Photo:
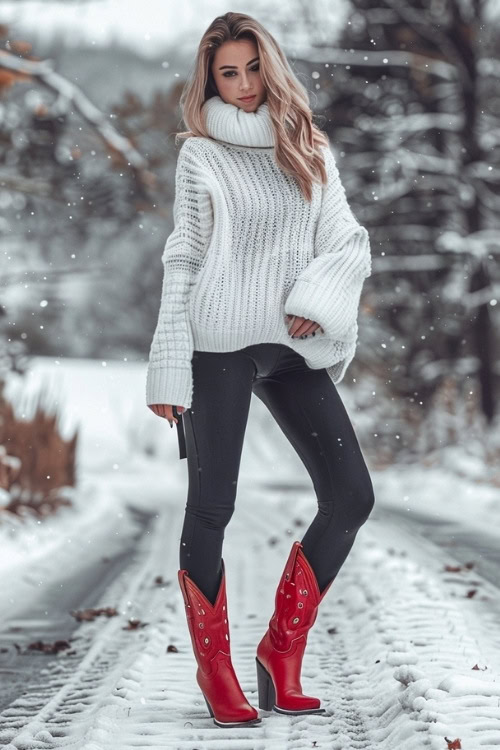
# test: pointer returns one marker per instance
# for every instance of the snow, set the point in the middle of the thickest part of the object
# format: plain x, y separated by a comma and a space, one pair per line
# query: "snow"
401, 655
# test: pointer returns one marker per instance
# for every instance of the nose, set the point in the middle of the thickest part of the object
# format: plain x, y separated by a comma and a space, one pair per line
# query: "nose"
244, 85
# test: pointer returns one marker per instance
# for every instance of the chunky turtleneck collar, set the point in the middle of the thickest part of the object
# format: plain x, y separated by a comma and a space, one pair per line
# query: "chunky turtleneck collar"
230, 124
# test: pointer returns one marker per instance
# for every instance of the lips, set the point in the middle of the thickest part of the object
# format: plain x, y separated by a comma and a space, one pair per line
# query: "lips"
247, 98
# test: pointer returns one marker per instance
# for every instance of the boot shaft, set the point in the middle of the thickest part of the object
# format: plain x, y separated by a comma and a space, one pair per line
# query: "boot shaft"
208, 624
209, 630
296, 602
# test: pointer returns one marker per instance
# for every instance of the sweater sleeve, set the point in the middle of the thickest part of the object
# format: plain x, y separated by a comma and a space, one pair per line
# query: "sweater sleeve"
169, 376
328, 289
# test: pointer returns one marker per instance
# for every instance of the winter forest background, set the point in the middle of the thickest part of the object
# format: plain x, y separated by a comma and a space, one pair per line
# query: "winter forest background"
409, 93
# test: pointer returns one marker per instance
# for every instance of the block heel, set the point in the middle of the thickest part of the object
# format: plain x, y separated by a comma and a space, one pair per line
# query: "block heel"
265, 686
209, 707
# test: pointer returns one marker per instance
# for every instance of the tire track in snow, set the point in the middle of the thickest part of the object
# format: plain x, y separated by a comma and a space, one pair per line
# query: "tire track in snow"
415, 646
483, 613
158, 703
325, 671
395, 672
75, 686
419, 634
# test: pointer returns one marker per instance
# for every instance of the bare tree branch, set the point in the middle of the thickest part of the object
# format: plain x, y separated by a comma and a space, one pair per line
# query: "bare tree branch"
29, 187
379, 58
44, 72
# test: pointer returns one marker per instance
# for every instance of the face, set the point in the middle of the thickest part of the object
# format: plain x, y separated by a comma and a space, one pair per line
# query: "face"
235, 69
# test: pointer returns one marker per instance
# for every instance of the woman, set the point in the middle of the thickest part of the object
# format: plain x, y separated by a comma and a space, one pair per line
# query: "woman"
263, 274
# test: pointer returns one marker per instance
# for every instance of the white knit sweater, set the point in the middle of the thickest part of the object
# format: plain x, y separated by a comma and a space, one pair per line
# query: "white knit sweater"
246, 250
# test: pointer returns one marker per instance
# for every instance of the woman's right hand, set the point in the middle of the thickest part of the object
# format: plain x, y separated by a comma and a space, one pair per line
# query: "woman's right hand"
165, 410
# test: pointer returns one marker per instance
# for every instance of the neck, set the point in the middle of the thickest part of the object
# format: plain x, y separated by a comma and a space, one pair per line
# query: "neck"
230, 124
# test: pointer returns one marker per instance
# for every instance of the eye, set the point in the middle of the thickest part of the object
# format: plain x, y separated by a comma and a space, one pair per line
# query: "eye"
229, 73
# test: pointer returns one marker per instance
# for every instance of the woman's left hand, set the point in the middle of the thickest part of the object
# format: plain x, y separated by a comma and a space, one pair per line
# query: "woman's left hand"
302, 326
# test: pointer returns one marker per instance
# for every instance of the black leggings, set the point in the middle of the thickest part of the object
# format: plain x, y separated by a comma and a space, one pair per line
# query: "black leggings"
307, 407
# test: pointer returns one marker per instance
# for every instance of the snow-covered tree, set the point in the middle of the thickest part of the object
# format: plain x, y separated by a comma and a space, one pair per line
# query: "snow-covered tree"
412, 97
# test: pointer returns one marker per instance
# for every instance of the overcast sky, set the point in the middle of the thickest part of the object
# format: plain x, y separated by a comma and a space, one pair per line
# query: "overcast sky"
151, 26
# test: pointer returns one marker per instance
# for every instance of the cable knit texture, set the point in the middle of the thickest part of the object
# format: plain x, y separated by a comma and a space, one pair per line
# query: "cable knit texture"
246, 250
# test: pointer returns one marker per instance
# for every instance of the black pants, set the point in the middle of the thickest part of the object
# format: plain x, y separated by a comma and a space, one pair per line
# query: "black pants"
307, 407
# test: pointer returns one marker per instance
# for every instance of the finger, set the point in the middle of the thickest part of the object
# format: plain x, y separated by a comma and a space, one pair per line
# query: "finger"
309, 331
301, 330
302, 326
315, 327
166, 412
290, 323
296, 323
307, 327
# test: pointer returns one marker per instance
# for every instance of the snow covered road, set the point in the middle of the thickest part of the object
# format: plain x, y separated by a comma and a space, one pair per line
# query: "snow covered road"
402, 654
405, 653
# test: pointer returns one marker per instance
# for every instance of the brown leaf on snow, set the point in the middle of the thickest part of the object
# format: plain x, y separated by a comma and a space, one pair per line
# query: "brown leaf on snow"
332, 631
49, 648
160, 581
471, 593
172, 648
91, 613
477, 667
453, 568
453, 744
134, 624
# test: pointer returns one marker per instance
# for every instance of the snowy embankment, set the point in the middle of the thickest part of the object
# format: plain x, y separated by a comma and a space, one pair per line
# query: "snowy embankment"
404, 653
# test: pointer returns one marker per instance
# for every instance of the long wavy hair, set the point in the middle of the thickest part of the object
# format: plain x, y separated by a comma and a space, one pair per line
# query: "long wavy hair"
297, 138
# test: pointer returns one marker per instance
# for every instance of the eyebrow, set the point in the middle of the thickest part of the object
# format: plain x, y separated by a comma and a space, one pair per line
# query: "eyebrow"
235, 66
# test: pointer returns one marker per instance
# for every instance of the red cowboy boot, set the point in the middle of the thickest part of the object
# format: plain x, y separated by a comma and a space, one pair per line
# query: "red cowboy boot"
280, 652
209, 630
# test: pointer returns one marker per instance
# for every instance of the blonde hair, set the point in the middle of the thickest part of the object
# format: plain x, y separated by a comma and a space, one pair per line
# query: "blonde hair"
297, 138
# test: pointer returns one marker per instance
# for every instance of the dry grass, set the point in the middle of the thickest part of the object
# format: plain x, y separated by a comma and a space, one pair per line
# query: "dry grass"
36, 462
